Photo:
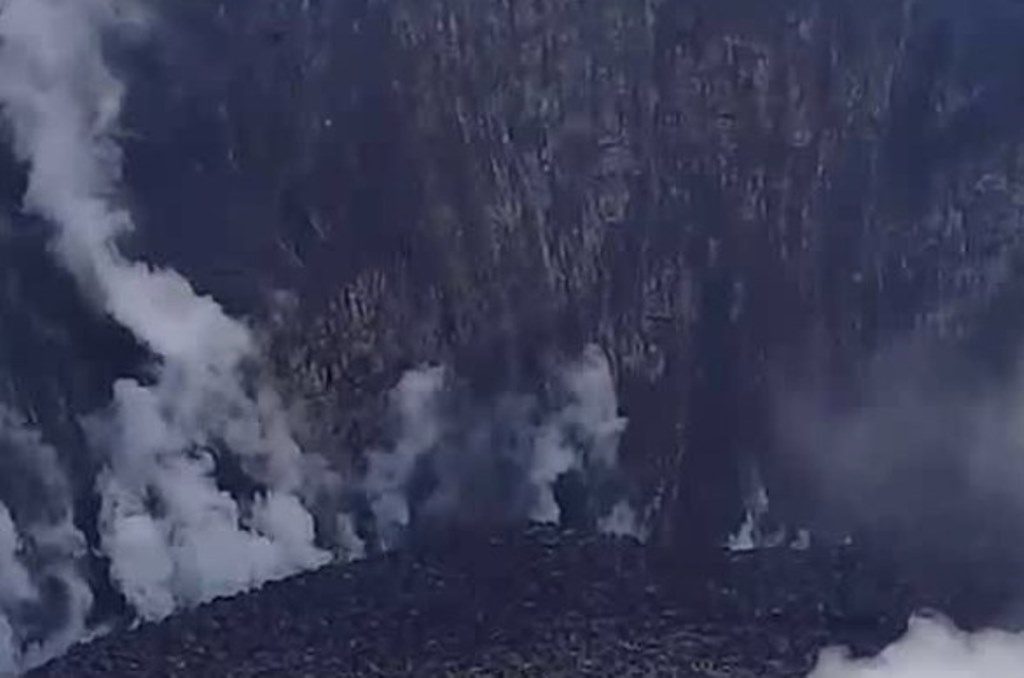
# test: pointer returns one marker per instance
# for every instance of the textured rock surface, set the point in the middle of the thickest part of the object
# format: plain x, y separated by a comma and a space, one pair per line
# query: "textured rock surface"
730, 197
737, 199
543, 604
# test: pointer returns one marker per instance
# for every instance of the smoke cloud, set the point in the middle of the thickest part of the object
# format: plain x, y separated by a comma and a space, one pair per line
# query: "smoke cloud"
416, 403
932, 648
178, 532
937, 445
40, 551
176, 524
458, 462
174, 537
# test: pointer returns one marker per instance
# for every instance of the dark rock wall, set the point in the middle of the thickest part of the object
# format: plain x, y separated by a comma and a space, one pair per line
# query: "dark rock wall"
731, 197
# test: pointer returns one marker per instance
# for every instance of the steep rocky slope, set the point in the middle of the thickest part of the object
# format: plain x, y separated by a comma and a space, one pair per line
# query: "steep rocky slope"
735, 199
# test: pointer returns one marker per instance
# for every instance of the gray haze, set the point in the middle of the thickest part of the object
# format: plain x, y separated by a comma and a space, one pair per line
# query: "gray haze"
933, 450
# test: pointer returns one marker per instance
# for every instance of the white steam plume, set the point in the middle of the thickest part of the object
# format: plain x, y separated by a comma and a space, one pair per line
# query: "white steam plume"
174, 537
933, 648
415, 401
755, 532
38, 544
583, 434
500, 462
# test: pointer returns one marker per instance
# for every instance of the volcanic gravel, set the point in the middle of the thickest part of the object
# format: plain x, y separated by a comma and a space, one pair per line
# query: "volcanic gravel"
534, 603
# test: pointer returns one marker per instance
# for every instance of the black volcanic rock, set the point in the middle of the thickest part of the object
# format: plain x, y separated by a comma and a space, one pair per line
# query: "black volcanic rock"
536, 603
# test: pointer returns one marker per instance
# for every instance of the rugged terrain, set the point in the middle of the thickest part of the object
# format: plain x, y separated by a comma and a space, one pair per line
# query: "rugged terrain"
736, 200
537, 603
749, 205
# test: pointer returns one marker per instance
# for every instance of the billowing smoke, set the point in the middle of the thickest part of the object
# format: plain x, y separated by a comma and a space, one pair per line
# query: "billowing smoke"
173, 535
933, 648
175, 532
416, 404
203, 490
44, 599
502, 461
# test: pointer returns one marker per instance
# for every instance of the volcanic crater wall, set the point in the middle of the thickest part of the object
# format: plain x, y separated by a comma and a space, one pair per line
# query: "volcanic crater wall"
731, 198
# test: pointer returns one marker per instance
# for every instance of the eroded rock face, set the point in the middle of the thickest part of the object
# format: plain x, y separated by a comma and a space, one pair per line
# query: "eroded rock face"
732, 198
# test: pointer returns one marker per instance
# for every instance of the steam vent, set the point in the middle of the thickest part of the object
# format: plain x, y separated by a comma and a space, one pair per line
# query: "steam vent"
512, 338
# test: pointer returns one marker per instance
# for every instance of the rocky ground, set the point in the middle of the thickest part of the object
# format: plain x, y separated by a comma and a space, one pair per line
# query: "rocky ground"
537, 603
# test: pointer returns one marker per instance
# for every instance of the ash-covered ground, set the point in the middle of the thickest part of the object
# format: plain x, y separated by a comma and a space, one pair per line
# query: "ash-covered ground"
539, 602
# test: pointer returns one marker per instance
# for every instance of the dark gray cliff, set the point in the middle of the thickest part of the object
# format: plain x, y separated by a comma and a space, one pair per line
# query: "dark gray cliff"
732, 198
